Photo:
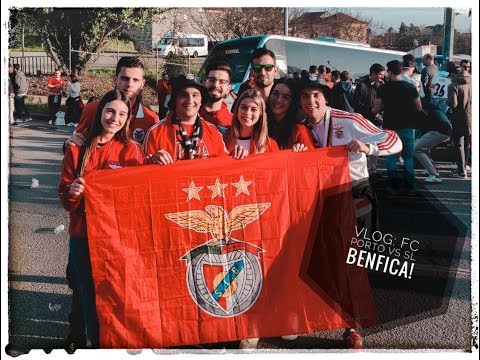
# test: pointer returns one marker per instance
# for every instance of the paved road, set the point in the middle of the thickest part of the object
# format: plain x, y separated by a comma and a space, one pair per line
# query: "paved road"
434, 311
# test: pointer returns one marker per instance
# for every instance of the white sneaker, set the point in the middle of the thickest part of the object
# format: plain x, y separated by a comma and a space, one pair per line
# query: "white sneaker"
18, 121
27, 119
289, 337
71, 124
249, 343
432, 179
50, 122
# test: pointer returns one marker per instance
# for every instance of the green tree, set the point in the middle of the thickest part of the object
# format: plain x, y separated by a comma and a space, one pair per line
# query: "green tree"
91, 29
462, 43
408, 37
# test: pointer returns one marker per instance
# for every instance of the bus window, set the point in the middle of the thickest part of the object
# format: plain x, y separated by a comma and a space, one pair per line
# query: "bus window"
299, 57
236, 53
278, 48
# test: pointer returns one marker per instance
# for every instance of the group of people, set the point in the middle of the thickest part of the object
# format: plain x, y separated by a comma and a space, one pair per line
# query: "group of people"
57, 87
268, 115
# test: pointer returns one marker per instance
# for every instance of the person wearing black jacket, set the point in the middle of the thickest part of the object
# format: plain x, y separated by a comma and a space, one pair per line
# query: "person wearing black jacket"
342, 93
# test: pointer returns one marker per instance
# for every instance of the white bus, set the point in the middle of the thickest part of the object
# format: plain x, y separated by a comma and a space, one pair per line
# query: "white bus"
193, 45
297, 54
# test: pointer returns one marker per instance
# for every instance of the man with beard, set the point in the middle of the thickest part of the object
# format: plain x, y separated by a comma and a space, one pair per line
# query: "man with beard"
217, 83
264, 69
129, 78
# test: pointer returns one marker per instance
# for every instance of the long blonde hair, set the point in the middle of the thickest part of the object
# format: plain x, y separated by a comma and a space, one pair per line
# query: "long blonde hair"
96, 130
260, 129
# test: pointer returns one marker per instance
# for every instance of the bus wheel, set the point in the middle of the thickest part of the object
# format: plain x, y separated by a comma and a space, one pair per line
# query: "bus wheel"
195, 54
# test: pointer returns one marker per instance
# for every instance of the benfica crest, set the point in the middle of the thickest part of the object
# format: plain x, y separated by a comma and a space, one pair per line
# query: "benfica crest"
338, 129
224, 276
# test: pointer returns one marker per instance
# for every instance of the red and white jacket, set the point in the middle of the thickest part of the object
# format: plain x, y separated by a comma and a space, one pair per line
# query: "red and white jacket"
163, 135
112, 155
139, 124
345, 127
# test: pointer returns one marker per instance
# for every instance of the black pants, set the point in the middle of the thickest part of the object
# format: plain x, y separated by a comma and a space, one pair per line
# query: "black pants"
54, 102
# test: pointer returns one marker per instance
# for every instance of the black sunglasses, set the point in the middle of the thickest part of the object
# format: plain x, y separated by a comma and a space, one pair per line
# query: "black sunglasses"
258, 68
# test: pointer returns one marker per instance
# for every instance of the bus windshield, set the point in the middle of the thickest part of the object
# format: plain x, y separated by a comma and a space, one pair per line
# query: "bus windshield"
237, 53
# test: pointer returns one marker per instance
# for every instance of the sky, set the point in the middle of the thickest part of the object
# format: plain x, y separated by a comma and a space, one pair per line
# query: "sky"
393, 17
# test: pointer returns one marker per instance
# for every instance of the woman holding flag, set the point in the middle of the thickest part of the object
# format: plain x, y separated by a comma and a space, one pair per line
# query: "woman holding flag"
108, 146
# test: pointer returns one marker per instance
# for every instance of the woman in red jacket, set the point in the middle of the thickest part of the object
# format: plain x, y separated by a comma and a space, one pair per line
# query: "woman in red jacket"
108, 146
249, 132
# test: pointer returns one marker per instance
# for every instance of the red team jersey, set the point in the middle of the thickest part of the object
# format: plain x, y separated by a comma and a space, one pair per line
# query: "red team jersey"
222, 118
143, 119
164, 136
112, 155
54, 81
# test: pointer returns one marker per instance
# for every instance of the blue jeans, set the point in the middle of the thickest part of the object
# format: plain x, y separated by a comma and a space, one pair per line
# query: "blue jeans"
406, 135
81, 277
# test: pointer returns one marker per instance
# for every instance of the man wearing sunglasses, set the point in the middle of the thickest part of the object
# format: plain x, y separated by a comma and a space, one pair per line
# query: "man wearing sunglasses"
264, 70
217, 83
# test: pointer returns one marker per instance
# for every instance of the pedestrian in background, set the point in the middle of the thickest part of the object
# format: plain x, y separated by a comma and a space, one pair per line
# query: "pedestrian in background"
73, 103
164, 91
11, 96
21, 89
460, 101
55, 86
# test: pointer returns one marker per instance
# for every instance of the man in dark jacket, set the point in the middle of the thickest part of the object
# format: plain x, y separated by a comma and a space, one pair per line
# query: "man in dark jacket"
363, 100
342, 93
460, 101
366, 92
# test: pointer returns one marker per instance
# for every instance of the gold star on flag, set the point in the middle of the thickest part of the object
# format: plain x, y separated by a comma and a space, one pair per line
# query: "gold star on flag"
242, 186
217, 189
192, 191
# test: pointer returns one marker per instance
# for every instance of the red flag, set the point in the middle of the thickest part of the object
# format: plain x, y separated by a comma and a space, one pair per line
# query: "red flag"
220, 249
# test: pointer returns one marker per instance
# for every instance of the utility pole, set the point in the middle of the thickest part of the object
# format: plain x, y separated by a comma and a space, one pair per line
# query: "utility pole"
285, 21
70, 51
448, 33
23, 46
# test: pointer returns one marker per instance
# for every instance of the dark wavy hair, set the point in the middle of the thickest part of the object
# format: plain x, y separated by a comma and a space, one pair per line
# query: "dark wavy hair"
289, 120
96, 130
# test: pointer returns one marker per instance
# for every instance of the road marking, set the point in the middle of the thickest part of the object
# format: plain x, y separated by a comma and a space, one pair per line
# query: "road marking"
60, 289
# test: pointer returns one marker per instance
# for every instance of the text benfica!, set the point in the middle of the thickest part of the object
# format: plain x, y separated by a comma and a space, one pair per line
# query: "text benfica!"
378, 262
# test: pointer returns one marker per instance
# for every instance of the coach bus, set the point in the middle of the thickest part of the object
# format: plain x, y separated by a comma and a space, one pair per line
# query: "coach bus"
297, 54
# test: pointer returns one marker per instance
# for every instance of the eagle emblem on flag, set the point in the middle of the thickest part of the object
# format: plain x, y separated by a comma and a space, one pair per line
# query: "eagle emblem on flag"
224, 276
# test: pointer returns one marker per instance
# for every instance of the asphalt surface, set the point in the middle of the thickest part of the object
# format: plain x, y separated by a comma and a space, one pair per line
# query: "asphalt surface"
433, 311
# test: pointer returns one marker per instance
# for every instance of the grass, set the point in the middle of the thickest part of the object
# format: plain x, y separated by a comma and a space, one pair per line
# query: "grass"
28, 49
123, 46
